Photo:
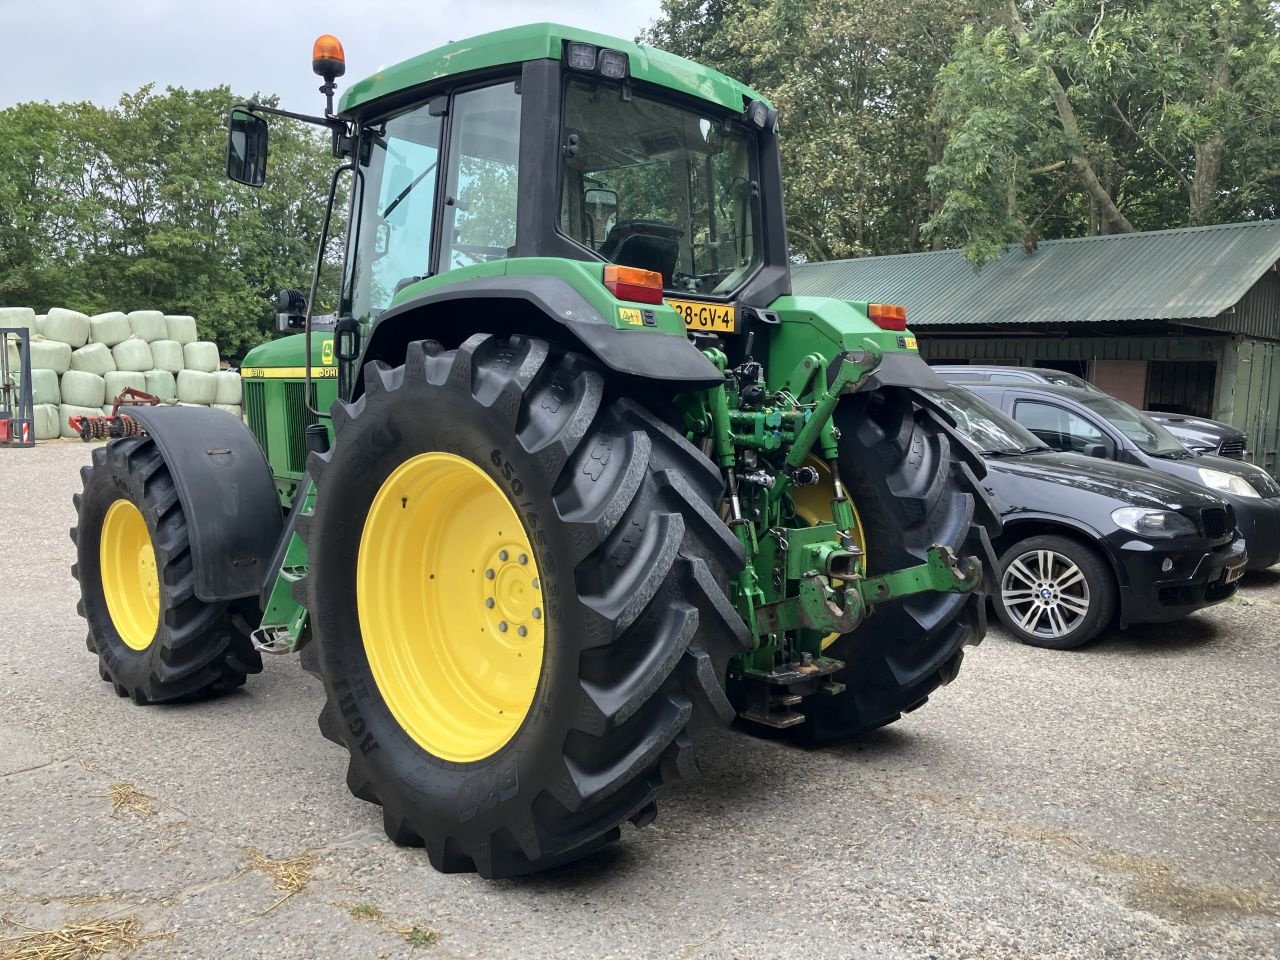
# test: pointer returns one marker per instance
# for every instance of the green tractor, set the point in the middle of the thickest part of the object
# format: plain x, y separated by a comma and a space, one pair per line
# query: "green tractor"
571, 474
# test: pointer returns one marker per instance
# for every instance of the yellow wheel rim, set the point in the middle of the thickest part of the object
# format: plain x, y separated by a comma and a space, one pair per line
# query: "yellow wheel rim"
130, 581
450, 606
813, 505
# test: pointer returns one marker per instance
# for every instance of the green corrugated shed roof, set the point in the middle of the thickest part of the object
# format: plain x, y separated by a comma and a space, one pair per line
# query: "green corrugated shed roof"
1161, 275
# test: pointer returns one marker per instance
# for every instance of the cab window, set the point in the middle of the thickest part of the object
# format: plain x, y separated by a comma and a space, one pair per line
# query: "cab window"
1056, 426
481, 190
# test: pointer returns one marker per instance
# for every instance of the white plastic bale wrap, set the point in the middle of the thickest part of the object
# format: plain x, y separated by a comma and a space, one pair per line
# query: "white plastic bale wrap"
160, 383
44, 387
149, 325
109, 328
23, 317
80, 388
117, 380
67, 326
134, 355
93, 358
182, 329
47, 421
197, 386
166, 355
201, 355
38, 326
67, 410
51, 355
229, 388
231, 408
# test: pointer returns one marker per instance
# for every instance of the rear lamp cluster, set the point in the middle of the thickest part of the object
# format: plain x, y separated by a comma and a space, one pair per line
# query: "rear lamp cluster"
610, 64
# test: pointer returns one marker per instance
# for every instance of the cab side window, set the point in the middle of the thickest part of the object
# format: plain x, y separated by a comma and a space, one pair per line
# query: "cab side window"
1056, 426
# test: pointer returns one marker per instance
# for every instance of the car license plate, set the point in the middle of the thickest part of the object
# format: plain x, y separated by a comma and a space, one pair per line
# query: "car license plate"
702, 317
1234, 573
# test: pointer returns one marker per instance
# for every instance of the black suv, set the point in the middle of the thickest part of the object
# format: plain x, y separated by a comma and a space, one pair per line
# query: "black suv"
1088, 542
1098, 425
1199, 434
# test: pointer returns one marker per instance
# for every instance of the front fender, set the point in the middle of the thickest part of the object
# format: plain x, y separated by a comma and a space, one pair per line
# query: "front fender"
227, 494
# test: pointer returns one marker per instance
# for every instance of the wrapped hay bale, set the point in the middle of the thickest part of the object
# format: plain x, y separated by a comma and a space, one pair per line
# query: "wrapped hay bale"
67, 410
202, 406
231, 408
160, 383
38, 326
149, 325
67, 326
23, 317
166, 355
47, 421
201, 355
44, 387
109, 328
197, 387
93, 358
229, 389
182, 329
133, 355
83, 389
50, 355
117, 380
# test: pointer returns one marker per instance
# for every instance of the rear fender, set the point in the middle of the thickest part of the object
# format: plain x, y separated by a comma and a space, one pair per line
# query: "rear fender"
227, 493
542, 306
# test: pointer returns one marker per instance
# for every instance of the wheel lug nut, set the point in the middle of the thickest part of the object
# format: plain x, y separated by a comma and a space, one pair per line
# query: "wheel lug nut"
537, 613
489, 603
536, 584
502, 627
489, 574
523, 558
523, 631
502, 555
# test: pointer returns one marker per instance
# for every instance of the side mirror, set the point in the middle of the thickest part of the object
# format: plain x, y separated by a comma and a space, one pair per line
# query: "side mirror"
1096, 450
247, 148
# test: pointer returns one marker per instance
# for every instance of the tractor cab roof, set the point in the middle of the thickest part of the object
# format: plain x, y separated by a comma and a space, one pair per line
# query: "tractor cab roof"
540, 41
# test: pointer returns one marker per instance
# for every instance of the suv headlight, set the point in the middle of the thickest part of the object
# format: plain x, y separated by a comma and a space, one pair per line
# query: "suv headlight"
1226, 482
1156, 524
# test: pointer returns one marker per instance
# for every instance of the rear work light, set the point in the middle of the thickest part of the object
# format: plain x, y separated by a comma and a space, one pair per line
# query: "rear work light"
887, 317
632, 283
587, 57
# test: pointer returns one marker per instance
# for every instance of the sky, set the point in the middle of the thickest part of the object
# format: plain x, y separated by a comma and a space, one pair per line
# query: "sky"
65, 50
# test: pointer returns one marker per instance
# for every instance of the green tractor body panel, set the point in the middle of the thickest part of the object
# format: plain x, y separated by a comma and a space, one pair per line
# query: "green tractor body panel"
274, 380
544, 41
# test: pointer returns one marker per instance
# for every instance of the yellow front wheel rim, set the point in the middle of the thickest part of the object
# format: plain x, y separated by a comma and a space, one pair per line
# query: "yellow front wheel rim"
130, 580
813, 505
451, 607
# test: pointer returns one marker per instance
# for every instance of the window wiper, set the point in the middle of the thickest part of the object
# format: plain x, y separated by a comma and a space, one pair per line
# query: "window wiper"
405, 192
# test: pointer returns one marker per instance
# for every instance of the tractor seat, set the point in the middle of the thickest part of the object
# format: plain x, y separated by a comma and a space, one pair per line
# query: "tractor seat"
646, 244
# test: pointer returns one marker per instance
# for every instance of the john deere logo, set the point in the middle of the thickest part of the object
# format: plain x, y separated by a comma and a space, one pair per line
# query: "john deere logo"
326, 354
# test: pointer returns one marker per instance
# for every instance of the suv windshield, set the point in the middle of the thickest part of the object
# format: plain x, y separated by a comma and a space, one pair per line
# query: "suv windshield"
986, 427
650, 185
1149, 436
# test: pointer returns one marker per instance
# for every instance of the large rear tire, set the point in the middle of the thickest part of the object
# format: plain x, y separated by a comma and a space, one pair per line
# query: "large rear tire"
156, 641
912, 485
491, 765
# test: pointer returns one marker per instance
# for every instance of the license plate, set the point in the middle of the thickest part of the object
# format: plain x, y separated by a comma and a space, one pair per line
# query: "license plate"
1234, 573
702, 317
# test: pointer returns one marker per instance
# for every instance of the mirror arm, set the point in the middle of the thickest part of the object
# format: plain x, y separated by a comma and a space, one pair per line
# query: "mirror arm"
333, 123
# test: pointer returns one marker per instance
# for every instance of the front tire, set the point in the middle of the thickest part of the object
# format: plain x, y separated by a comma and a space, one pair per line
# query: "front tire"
1055, 592
617, 515
156, 641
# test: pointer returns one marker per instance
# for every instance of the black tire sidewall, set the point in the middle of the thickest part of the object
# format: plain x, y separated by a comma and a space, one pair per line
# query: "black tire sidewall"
1098, 576
406, 777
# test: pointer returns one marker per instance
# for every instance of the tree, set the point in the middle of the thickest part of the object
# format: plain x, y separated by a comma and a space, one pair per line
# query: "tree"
128, 207
1108, 118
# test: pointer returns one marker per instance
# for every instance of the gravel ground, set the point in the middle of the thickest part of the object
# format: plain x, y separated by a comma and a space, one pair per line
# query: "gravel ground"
1115, 802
